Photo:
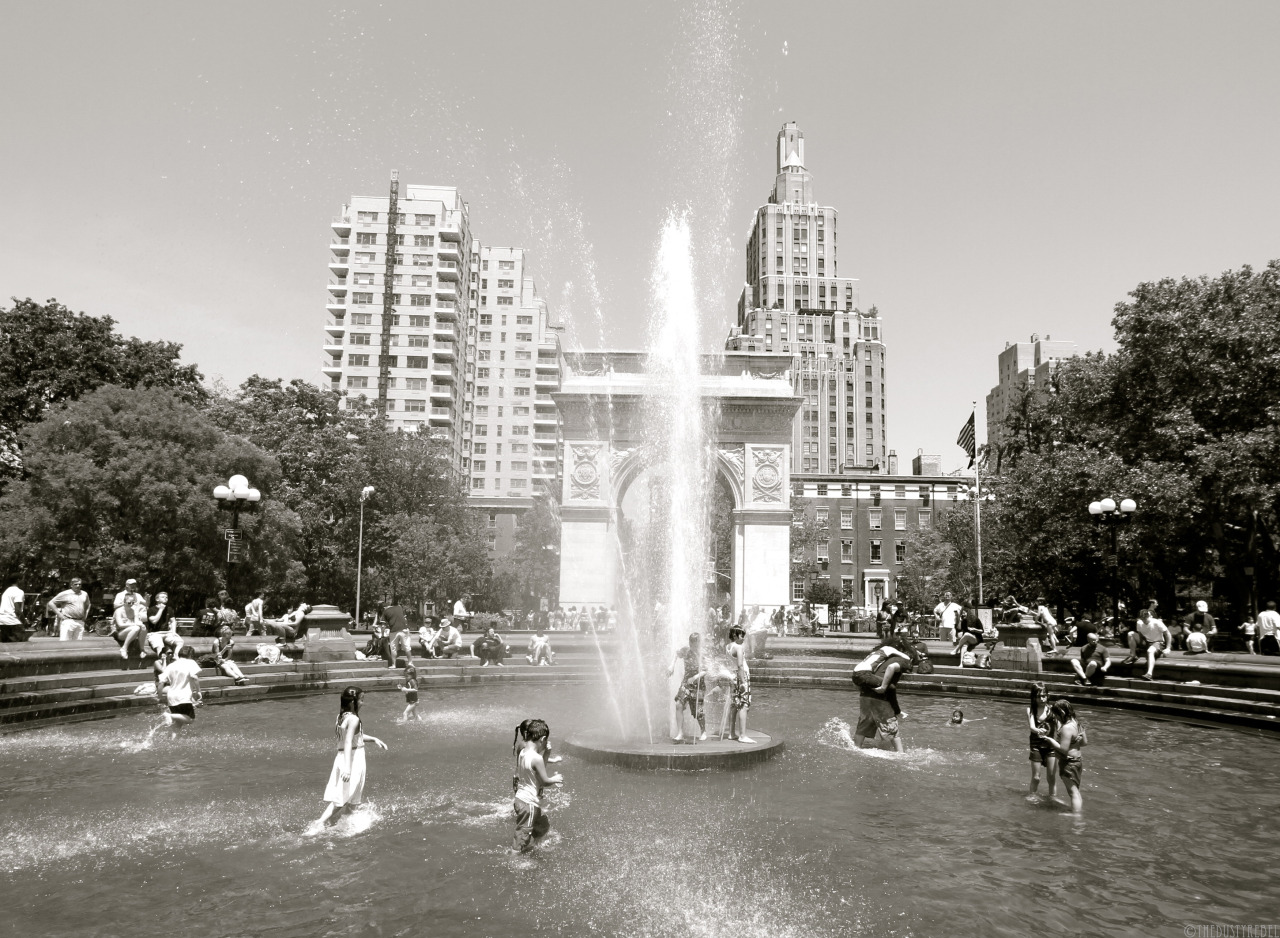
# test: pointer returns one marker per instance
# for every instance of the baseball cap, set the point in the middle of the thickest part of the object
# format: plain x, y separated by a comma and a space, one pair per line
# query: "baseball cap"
130, 582
1202, 606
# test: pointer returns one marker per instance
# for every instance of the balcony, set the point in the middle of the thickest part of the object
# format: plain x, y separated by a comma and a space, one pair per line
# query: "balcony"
449, 252
339, 266
332, 369
547, 381
333, 345
550, 437
447, 271
441, 416
449, 231
548, 365
440, 373
447, 314
541, 419
441, 391
342, 226
545, 399
338, 287
444, 351
447, 291
341, 247
443, 331
337, 306
338, 329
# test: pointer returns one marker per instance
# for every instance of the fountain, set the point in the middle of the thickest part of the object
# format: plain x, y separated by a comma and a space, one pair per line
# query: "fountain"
662, 414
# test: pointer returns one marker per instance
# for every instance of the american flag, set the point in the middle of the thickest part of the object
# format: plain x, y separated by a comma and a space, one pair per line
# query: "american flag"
967, 442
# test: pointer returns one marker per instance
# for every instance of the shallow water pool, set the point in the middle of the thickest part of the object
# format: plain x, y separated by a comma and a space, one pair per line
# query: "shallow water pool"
206, 835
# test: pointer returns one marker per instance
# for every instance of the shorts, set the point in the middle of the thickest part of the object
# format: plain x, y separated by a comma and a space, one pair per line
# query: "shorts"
968, 640
411, 696
867, 680
1143, 645
183, 710
1038, 750
876, 715
531, 825
1070, 768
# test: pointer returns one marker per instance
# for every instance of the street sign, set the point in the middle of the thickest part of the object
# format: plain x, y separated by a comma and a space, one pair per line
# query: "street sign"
234, 551
233, 534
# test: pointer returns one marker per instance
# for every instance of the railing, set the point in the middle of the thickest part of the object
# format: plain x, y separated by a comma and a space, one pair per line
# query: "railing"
544, 436
441, 411
346, 240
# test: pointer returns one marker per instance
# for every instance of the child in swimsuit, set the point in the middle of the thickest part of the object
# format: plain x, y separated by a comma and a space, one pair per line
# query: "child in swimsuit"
1041, 754
530, 746
740, 701
410, 688
692, 690
1070, 739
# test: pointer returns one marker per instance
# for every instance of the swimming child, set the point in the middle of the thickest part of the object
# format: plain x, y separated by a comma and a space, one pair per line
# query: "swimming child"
957, 717
1041, 754
529, 747
1070, 738
410, 688
346, 780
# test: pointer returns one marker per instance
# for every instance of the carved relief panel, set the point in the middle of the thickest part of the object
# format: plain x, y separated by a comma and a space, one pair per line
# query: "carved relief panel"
768, 468
583, 480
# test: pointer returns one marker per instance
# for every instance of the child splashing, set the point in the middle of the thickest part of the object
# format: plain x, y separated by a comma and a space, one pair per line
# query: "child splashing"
346, 781
410, 688
530, 746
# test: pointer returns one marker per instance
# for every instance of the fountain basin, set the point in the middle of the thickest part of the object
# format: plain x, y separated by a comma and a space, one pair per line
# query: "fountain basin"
665, 754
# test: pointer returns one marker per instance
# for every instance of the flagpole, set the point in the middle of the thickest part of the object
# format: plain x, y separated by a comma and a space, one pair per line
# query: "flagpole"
977, 505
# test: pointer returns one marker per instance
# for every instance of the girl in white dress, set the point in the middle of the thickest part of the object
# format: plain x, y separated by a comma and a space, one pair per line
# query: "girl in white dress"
346, 782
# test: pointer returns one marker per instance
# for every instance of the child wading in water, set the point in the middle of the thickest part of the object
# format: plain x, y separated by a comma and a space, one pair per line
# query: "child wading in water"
410, 688
530, 746
740, 696
1070, 738
1041, 754
692, 686
346, 781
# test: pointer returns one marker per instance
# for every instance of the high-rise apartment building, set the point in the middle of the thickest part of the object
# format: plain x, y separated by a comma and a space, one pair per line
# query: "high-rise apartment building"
431, 268
1023, 366
512, 366
794, 301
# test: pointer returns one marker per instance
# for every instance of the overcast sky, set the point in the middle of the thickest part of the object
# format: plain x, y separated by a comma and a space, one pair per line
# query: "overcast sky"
1000, 168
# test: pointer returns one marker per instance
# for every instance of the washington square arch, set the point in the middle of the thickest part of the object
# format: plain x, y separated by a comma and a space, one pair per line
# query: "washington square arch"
602, 401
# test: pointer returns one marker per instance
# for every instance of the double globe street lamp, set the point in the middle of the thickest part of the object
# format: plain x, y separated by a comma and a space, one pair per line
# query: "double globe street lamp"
1112, 514
236, 496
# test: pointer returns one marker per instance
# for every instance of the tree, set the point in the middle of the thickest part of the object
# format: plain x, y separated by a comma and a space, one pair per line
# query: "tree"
821, 592
927, 572
50, 355
130, 475
537, 552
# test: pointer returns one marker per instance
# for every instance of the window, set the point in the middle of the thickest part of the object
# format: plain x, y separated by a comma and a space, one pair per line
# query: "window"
846, 588
428, 220
424, 241
846, 551
524, 336
846, 519
415, 404
822, 552
367, 218
486, 319
420, 322
482, 430
524, 320
415, 384
482, 410
820, 516
505, 301
523, 373
366, 237
358, 361
518, 483
482, 390
506, 265
875, 552
359, 299
519, 430
477, 483
868, 371
899, 519
899, 552
797, 591
519, 465
519, 411
523, 355
357, 382
417, 361
482, 372
486, 336
363, 278
359, 338
521, 392
505, 284
873, 519
419, 300
364, 257
925, 518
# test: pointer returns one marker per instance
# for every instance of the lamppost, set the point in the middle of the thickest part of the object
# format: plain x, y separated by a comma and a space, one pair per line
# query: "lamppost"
236, 496
364, 495
1108, 512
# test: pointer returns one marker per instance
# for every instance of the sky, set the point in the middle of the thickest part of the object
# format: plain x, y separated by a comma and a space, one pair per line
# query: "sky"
1001, 168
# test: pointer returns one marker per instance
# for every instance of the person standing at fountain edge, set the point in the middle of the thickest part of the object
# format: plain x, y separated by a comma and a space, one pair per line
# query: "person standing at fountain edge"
73, 607
529, 747
346, 780
692, 690
740, 696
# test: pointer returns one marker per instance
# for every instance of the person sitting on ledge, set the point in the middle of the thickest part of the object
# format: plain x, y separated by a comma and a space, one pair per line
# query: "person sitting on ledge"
1197, 641
127, 626
490, 649
540, 652
288, 627
1094, 662
222, 646
1152, 637
448, 641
